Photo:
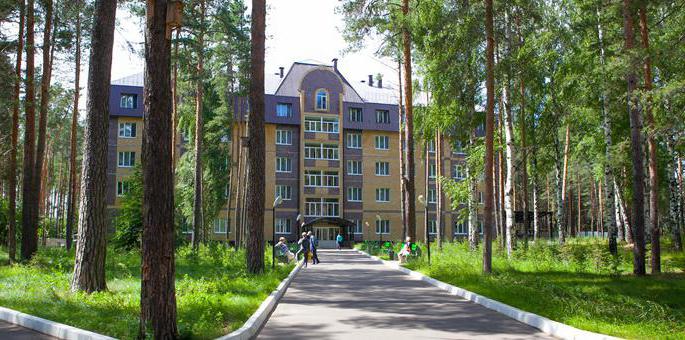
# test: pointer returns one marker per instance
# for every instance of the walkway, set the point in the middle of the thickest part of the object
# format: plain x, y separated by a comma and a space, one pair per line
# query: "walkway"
10, 331
351, 296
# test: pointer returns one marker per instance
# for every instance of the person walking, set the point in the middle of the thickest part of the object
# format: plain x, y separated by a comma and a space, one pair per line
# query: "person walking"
304, 248
313, 244
339, 241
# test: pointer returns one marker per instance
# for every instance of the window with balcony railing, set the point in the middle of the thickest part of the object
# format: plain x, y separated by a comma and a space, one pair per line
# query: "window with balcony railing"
322, 207
324, 179
321, 124
321, 151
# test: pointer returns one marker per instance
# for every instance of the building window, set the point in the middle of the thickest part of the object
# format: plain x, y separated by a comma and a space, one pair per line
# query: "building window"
354, 194
321, 100
321, 151
382, 142
382, 116
354, 168
383, 195
128, 101
432, 227
382, 227
460, 228
457, 148
284, 110
322, 207
284, 191
382, 169
432, 196
123, 187
127, 130
431, 170
357, 227
354, 140
220, 225
283, 226
327, 179
284, 164
356, 114
459, 172
431, 146
126, 159
284, 137
321, 124
480, 197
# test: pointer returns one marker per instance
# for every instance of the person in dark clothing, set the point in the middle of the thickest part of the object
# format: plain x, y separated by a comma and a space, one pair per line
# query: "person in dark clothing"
313, 244
304, 248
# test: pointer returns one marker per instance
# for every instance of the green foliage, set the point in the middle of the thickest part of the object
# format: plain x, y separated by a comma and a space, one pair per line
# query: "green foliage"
213, 292
129, 220
578, 283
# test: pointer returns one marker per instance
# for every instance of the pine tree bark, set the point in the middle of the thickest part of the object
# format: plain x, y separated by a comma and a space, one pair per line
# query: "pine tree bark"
71, 199
637, 211
199, 127
158, 298
651, 147
472, 203
409, 131
12, 213
489, 137
255, 156
509, 184
674, 199
29, 203
438, 189
91, 246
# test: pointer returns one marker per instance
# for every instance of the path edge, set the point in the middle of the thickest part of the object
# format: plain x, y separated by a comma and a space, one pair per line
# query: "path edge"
255, 323
551, 327
47, 327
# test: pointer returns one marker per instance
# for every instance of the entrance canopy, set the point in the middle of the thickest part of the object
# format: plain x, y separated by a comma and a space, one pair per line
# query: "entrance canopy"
341, 222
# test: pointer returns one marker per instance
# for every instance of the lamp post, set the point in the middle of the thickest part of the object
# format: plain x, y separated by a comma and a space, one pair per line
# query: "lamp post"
380, 233
277, 202
299, 218
366, 242
422, 200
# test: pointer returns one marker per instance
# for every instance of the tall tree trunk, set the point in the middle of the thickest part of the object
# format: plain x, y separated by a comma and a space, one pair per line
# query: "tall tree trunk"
403, 180
71, 199
29, 203
559, 191
409, 131
12, 213
651, 146
199, 127
500, 161
438, 188
579, 224
509, 184
39, 165
174, 106
158, 298
255, 162
674, 199
536, 184
91, 247
524, 161
637, 212
489, 137
473, 192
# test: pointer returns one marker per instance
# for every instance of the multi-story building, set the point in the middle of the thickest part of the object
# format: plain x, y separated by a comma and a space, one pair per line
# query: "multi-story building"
332, 155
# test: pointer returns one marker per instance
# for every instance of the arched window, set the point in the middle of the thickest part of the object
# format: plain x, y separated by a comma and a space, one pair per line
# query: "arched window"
321, 100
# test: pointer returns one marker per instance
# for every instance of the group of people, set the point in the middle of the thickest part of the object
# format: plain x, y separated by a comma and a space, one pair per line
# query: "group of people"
308, 244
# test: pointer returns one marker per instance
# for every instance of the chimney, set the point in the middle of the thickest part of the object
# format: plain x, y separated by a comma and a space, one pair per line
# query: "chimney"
281, 71
335, 64
380, 81
371, 80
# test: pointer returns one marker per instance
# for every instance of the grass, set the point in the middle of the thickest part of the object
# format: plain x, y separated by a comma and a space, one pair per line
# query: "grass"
214, 294
579, 284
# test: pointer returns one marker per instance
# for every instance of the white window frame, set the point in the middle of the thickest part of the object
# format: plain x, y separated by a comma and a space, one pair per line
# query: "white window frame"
354, 140
127, 130
382, 227
322, 207
354, 194
432, 195
220, 226
358, 227
285, 191
457, 148
459, 171
123, 187
382, 142
128, 101
328, 152
432, 170
354, 165
380, 166
283, 226
126, 159
382, 195
289, 109
460, 228
382, 117
284, 137
321, 179
324, 103
431, 146
432, 227
288, 164
321, 124
356, 112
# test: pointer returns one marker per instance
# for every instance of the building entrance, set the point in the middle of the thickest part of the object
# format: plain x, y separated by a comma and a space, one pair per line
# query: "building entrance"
326, 236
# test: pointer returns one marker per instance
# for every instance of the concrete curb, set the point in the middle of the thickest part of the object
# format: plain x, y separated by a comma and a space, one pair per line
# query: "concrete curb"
255, 323
48, 327
551, 327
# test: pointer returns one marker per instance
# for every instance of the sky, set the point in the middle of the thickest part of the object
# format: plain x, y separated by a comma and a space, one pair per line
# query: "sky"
296, 30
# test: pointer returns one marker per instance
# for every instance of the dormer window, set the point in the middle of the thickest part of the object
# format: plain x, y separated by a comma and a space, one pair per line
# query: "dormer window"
128, 101
321, 100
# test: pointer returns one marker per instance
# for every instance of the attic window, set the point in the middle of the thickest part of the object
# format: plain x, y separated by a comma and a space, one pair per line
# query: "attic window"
321, 100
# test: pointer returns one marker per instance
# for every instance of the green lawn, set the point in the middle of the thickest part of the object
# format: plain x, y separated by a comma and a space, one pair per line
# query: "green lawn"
214, 294
578, 284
